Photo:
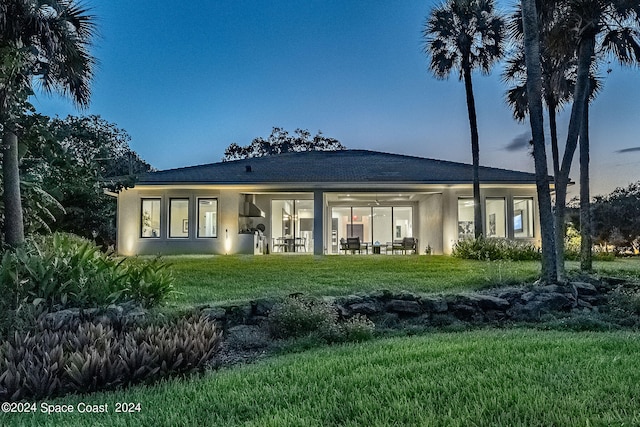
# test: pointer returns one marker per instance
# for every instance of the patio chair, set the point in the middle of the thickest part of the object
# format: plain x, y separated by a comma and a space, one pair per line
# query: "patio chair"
410, 244
352, 244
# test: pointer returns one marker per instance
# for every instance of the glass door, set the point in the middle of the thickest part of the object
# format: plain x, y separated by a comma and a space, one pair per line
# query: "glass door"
292, 225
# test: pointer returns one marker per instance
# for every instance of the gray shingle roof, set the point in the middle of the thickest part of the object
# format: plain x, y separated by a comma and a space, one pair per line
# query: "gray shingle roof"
348, 166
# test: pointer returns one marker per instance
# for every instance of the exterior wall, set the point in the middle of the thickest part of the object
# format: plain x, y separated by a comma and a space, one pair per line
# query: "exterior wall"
435, 218
431, 223
450, 211
130, 242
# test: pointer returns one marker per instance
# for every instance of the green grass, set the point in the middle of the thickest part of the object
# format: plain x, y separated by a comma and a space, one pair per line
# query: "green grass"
202, 279
224, 278
478, 378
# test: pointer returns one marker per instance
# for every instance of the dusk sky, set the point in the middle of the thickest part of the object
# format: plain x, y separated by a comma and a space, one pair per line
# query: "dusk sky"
186, 79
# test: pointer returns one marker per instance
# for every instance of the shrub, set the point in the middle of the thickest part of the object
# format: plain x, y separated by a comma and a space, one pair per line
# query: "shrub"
91, 357
298, 316
358, 328
62, 270
484, 249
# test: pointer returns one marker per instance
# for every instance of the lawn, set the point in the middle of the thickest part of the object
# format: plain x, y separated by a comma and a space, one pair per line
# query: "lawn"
201, 279
480, 378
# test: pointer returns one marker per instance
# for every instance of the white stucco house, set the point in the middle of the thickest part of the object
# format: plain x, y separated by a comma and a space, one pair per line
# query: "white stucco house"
311, 201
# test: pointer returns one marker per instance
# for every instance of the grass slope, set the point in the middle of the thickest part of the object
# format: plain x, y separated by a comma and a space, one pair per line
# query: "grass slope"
201, 279
478, 378
228, 278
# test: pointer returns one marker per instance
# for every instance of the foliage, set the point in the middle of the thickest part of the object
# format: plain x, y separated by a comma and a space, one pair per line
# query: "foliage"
280, 142
299, 316
616, 216
62, 270
66, 165
495, 249
48, 42
91, 357
480, 378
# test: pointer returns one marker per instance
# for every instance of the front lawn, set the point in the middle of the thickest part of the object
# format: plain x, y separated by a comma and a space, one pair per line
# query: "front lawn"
482, 378
202, 279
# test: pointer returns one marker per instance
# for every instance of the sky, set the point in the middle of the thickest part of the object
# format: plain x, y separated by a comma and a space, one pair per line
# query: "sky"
186, 79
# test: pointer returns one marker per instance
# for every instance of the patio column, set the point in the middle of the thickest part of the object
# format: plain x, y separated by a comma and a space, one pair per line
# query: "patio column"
318, 222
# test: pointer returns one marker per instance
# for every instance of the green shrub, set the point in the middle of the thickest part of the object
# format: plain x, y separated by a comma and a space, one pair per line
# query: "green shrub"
91, 357
298, 316
60, 270
490, 249
358, 328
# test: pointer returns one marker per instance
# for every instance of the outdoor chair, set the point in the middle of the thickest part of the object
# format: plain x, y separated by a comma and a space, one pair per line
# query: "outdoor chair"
352, 244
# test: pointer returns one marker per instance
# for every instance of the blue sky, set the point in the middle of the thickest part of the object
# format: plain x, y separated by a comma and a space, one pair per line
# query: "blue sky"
187, 79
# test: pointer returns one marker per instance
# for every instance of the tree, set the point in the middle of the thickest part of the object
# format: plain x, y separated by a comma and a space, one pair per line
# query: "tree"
557, 70
465, 35
619, 210
47, 40
612, 23
531, 45
280, 142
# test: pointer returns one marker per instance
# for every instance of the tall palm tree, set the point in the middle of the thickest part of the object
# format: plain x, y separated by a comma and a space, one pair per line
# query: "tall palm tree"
466, 35
557, 68
531, 47
47, 41
603, 27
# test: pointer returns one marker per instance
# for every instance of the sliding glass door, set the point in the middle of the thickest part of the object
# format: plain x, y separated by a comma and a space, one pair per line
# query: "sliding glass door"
372, 224
292, 225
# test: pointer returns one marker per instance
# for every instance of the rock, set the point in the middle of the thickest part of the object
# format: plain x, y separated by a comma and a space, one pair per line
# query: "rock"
528, 296
214, 313
555, 301
434, 305
584, 288
367, 308
462, 311
404, 307
585, 304
511, 295
262, 307
488, 302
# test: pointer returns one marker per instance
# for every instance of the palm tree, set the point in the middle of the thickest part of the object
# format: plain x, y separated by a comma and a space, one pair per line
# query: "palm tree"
49, 41
531, 46
557, 67
612, 27
465, 35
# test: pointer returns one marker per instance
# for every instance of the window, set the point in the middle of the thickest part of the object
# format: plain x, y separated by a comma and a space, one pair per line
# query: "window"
522, 217
465, 218
178, 218
495, 218
150, 218
207, 218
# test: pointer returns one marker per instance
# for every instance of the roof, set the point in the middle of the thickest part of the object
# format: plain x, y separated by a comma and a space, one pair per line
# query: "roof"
345, 166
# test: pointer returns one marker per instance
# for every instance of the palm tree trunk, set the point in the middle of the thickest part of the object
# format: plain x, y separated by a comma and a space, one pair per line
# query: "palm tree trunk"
585, 196
534, 94
13, 224
553, 127
475, 151
585, 57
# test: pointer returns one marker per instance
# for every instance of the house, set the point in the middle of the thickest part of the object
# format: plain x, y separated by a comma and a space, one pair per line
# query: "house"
311, 201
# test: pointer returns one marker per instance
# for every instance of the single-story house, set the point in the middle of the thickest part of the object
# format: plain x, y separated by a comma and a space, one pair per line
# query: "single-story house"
312, 201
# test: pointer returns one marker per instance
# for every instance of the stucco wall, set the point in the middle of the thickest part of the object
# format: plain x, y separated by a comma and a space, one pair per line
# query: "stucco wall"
430, 223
